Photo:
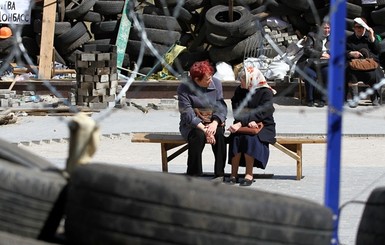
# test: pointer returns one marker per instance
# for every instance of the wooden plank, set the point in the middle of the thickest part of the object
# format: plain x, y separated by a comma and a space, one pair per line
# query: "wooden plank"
286, 151
123, 34
47, 34
174, 137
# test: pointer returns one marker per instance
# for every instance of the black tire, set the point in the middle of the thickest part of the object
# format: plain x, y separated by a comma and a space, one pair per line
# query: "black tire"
183, 15
92, 17
372, 224
76, 44
192, 5
235, 52
105, 27
133, 48
118, 205
76, 32
160, 22
378, 16
217, 21
62, 27
28, 199
222, 41
76, 9
353, 10
109, 7
152, 9
156, 35
186, 59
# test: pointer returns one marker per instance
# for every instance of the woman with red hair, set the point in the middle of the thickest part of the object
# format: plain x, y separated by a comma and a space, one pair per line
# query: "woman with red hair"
203, 113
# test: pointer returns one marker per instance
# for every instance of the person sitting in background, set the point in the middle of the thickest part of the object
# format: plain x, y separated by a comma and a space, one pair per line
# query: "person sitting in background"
203, 113
314, 63
253, 110
362, 44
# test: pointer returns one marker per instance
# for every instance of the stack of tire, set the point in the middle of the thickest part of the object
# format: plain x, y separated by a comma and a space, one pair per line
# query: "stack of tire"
229, 39
31, 197
110, 204
159, 30
203, 26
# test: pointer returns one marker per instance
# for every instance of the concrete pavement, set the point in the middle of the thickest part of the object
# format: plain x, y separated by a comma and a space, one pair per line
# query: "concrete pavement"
362, 164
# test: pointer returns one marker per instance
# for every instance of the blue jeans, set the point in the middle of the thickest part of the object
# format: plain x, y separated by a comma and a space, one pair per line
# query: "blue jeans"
311, 92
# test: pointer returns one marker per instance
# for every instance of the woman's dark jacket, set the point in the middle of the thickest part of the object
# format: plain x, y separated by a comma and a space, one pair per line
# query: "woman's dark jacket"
353, 43
312, 48
259, 108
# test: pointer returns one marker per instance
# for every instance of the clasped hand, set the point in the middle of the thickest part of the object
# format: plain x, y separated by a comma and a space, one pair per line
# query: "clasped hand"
210, 131
234, 128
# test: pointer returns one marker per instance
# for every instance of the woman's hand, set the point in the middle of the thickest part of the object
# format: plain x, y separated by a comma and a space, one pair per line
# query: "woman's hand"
254, 124
355, 54
325, 56
234, 128
210, 139
211, 128
372, 38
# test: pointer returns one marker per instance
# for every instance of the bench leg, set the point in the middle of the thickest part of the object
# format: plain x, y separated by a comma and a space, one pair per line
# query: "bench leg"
163, 152
299, 162
293, 150
297, 150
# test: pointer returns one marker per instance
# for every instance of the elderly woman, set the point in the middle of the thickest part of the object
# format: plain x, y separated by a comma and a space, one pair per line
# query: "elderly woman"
203, 113
254, 127
363, 43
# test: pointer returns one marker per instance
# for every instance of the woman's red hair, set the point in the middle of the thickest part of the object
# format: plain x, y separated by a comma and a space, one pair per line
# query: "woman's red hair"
200, 68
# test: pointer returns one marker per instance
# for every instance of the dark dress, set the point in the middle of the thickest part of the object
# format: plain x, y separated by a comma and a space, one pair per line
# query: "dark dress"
259, 109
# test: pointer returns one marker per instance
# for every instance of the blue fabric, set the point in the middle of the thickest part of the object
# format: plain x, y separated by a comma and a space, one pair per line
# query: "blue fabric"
250, 145
311, 92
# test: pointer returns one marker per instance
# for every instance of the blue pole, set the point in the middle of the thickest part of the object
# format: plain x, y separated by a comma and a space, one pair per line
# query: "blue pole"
336, 78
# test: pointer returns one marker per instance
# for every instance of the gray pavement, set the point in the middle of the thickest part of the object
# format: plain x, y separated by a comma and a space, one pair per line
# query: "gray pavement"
290, 119
362, 164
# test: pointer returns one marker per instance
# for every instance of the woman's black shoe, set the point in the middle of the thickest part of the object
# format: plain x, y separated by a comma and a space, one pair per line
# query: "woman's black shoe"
321, 104
233, 180
246, 182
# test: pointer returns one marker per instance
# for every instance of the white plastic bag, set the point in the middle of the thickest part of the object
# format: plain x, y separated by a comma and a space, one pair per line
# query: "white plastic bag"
224, 72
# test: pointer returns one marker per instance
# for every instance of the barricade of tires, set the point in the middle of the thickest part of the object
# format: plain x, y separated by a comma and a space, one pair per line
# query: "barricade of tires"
111, 204
32, 196
203, 26
119, 205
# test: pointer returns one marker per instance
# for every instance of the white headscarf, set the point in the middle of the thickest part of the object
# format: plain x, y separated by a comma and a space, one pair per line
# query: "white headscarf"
254, 77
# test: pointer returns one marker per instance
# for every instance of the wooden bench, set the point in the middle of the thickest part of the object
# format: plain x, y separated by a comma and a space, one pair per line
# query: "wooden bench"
291, 146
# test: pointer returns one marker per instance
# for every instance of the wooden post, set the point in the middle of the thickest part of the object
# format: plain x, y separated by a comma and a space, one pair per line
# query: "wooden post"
47, 35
